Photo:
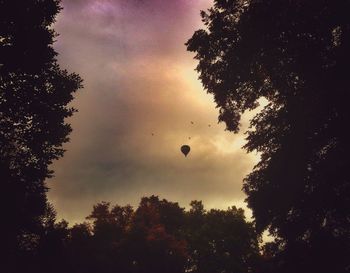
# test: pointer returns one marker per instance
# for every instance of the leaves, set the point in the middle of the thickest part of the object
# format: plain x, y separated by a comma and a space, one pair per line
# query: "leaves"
159, 236
34, 97
292, 53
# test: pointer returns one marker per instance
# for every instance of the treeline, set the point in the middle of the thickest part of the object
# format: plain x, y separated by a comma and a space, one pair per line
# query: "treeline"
157, 236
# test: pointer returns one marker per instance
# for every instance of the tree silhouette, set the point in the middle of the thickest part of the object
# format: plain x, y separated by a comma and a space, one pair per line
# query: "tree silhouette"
154, 242
80, 249
295, 54
109, 229
159, 236
220, 241
34, 97
52, 252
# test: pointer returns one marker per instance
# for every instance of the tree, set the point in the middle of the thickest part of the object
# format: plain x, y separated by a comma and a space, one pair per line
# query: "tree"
220, 241
52, 246
159, 236
295, 54
80, 249
154, 242
34, 98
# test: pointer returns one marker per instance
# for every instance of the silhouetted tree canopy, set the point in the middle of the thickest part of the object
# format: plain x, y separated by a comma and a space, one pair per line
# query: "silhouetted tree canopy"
158, 236
220, 241
295, 54
34, 98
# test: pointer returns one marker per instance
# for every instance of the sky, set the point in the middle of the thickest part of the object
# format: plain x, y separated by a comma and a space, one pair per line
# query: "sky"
139, 80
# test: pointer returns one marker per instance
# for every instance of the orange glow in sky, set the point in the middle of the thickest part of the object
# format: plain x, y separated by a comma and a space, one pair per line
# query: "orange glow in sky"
139, 80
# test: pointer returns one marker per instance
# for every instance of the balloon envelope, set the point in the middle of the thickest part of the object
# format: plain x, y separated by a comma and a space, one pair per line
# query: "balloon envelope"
185, 149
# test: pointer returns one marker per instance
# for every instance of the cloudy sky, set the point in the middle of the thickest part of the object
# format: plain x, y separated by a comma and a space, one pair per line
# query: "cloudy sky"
138, 80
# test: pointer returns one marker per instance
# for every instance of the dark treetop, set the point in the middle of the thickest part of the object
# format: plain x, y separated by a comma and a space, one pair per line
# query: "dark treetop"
157, 237
34, 97
296, 55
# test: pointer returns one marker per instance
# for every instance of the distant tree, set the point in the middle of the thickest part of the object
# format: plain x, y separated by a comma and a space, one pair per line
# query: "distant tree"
52, 249
34, 98
154, 241
220, 241
296, 55
80, 249
109, 229
158, 237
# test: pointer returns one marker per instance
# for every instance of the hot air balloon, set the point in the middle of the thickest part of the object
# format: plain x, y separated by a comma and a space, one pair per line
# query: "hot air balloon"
185, 149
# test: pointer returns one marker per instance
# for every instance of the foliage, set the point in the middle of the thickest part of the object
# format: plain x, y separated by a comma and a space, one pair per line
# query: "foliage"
220, 241
159, 236
34, 98
295, 54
